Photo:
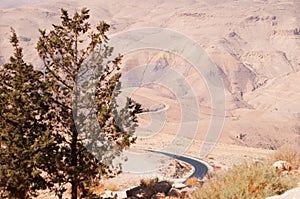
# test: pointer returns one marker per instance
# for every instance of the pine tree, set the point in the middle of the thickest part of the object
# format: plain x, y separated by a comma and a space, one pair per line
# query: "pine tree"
69, 52
25, 138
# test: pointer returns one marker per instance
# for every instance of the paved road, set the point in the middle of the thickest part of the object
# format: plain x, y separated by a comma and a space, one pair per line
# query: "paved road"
200, 168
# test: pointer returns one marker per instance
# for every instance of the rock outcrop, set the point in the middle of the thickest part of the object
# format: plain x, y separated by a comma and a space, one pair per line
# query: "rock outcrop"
159, 190
282, 165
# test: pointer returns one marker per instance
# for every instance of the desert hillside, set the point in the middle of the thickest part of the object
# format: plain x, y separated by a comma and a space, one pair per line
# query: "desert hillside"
255, 46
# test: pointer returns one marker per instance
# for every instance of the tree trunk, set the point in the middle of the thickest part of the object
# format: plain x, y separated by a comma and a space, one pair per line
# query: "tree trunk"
74, 189
74, 155
74, 182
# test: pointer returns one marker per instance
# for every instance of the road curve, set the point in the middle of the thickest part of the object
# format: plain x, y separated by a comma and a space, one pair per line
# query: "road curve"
200, 168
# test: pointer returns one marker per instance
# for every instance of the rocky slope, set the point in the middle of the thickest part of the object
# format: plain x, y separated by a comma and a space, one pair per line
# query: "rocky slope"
254, 44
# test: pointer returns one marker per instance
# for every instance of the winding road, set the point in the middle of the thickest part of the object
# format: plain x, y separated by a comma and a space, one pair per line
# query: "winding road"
200, 168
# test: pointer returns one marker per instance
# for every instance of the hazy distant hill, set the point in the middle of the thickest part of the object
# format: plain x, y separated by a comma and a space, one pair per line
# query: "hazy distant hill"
255, 44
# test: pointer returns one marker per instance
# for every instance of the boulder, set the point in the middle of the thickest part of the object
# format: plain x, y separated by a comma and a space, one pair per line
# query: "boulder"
158, 196
174, 193
282, 165
162, 187
139, 192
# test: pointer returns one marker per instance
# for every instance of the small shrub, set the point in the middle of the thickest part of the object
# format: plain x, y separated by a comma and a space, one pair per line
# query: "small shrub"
288, 154
111, 187
246, 181
149, 183
98, 189
101, 188
191, 181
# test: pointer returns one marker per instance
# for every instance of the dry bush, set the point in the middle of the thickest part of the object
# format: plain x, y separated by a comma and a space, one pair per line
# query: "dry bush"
103, 187
246, 181
97, 189
111, 187
288, 154
191, 181
149, 183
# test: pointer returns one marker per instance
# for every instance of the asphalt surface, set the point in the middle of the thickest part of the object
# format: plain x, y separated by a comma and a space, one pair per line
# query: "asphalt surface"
200, 168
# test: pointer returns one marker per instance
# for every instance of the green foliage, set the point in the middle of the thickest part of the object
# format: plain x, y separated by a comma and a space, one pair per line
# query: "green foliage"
47, 138
24, 136
246, 181
71, 52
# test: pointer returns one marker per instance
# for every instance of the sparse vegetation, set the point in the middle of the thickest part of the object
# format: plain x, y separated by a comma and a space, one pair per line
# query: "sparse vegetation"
192, 181
250, 180
288, 154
